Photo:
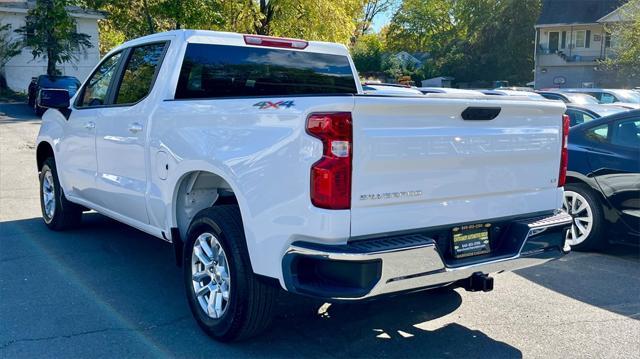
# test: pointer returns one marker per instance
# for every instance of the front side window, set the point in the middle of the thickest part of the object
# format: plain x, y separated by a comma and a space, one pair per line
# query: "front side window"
213, 71
608, 98
139, 73
95, 91
627, 133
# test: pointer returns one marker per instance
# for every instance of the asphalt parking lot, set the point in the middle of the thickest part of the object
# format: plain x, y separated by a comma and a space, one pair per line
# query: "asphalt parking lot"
106, 290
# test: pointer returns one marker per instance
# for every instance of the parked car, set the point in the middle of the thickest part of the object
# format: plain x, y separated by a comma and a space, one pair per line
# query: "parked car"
449, 91
515, 88
498, 92
264, 165
389, 89
626, 98
569, 97
579, 114
603, 180
68, 83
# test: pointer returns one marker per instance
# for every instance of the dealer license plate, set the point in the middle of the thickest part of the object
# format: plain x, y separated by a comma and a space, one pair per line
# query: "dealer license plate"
471, 240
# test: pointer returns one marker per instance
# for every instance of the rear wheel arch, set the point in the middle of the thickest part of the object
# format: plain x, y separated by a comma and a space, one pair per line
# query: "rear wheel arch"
579, 179
195, 191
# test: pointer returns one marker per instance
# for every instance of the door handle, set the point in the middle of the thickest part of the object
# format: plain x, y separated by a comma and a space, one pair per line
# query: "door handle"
90, 125
135, 127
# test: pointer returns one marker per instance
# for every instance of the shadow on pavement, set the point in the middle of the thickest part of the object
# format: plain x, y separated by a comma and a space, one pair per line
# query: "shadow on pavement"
116, 291
17, 112
609, 280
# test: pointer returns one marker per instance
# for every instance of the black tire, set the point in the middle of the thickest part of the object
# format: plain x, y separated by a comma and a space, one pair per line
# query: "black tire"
65, 214
251, 303
596, 240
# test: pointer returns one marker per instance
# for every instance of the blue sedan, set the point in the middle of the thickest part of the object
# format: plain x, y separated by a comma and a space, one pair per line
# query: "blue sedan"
602, 193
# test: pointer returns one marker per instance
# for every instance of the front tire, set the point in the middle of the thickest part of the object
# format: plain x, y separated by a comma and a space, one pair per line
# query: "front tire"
58, 213
226, 298
588, 228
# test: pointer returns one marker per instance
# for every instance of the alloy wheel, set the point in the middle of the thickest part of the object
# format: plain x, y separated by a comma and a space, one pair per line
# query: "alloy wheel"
578, 207
210, 275
48, 195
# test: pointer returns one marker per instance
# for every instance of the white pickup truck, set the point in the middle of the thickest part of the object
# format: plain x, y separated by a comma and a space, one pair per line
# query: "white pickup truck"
261, 160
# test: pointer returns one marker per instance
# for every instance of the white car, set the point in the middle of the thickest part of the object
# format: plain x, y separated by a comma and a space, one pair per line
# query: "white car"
628, 99
266, 167
501, 92
389, 90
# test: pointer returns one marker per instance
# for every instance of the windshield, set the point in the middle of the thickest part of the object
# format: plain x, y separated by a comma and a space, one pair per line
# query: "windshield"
582, 99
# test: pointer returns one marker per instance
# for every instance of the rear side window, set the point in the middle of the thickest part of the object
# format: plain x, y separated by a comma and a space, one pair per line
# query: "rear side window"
599, 133
211, 71
139, 73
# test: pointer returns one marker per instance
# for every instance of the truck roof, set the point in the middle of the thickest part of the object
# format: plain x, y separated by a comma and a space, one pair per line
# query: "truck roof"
231, 38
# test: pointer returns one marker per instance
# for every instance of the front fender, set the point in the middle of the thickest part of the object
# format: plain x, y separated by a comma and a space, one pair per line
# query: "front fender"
51, 131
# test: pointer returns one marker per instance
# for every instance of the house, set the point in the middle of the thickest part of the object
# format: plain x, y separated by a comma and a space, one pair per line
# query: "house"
570, 39
440, 81
21, 68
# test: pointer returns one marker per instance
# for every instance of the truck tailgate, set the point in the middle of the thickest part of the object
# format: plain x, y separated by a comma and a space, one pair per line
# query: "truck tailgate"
417, 163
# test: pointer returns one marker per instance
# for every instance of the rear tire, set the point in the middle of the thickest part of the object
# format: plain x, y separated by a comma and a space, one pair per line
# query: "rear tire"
585, 207
221, 270
58, 213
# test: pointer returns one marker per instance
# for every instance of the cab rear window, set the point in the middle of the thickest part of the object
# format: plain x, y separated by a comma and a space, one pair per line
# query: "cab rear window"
213, 71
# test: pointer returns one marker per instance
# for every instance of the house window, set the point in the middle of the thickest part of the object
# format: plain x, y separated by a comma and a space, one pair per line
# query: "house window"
563, 42
607, 40
581, 36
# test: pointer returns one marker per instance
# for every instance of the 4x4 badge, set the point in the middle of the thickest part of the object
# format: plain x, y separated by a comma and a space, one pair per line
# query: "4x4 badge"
263, 105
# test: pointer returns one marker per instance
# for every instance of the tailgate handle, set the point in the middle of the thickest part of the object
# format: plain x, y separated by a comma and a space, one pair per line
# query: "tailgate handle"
480, 113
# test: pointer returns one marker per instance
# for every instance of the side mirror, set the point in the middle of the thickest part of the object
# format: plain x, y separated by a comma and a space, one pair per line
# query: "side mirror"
53, 98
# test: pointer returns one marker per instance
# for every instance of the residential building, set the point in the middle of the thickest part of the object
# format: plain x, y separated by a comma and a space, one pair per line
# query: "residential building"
21, 68
571, 39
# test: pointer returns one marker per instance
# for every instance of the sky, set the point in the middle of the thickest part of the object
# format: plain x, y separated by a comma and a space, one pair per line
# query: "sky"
382, 19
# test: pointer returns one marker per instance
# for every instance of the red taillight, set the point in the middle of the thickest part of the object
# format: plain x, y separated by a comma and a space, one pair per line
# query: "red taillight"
275, 42
331, 175
564, 157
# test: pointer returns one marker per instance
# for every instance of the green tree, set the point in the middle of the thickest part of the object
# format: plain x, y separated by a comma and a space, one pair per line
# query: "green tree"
368, 53
9, 47
324, 20
370, 10
471, 40
626, 42
128, 19
50, 31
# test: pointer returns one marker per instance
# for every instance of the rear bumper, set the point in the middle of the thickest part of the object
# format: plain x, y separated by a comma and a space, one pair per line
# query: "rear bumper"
372, 267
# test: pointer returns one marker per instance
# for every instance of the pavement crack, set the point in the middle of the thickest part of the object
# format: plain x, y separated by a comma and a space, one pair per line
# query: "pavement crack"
95, 331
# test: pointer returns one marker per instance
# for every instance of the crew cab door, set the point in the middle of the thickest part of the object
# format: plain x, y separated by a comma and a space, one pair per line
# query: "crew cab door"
77, 150
121, 134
